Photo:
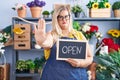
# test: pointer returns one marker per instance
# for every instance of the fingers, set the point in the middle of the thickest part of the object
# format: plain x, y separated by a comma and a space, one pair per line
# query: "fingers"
40, 27
35, 27
41, 24
73, 62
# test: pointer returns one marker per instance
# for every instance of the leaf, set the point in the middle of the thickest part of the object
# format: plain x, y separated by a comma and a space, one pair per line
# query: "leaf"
104, 59
76, 25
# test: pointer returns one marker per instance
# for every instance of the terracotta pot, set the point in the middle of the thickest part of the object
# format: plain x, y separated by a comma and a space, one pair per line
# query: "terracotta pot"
36, 12
117, 13
22, 13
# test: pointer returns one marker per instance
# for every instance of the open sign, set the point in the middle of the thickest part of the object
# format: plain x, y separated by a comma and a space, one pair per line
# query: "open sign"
71, 49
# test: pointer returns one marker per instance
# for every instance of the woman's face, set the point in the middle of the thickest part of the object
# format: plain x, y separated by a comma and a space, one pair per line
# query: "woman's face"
64, 19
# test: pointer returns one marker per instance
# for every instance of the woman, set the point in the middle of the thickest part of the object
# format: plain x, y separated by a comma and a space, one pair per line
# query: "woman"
71, 69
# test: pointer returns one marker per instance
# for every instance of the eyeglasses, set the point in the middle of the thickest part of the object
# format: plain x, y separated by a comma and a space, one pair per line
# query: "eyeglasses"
60, 18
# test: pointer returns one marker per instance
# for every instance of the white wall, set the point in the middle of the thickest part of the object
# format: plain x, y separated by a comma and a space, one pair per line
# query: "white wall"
6, 12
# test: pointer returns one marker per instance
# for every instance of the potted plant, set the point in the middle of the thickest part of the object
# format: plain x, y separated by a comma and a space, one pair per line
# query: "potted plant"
21, 66
99, 8
45, 14
39, 62
76, 25
36, 7
40, 69
21, 9
111, 71
116, 8
76, 10
31, 65
52, 12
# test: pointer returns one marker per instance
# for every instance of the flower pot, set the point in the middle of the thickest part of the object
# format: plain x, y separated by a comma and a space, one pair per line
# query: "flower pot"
77, 14
22, 13
32, 71
39, 71
45, 16
117, 13
36, 12
100, 13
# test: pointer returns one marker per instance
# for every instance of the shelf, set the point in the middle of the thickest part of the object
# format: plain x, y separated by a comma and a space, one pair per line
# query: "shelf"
97, 19
75, 19
27, 74
40, 50
31, 19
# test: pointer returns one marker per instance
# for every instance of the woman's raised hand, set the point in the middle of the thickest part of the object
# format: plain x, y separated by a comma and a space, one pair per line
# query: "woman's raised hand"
41, 26
40, 31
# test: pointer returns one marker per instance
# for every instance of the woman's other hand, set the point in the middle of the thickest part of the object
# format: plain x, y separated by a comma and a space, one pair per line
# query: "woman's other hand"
74, 62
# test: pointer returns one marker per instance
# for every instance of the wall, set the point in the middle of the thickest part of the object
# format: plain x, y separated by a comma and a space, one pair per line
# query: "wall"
6, 12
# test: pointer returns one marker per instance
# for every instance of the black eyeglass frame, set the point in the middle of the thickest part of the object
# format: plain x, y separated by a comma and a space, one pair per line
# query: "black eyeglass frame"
63, 17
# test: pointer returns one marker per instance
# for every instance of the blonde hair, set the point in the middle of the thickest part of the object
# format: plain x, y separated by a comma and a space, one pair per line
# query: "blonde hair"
56, 30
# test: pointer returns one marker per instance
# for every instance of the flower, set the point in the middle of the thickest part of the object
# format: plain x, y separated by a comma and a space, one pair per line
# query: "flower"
98, 4
4, 37
112, 46
18, 30
36, 3
89, 30
114, 33
95, 5
19, 6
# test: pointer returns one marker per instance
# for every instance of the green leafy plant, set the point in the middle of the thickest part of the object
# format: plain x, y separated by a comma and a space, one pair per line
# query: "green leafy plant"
76, 25
116, 5
76, 9
31, 64
39, 62
21, 65
108, 66
95, 4
46, 12
52, 12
